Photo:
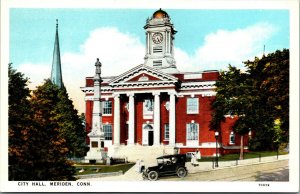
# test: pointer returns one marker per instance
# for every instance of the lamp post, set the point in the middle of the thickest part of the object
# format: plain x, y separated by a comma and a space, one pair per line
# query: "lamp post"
216, 136
250, 133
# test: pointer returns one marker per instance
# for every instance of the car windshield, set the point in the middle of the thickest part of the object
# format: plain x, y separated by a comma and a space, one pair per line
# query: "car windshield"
167, 161
160, 161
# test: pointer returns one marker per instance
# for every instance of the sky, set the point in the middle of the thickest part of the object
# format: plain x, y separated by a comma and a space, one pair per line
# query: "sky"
207, 39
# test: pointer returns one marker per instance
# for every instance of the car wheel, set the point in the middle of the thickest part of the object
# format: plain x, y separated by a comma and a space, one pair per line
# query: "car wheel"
181, 172
152, 175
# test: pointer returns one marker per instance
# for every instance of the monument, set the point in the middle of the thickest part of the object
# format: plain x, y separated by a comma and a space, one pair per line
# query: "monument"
96, 152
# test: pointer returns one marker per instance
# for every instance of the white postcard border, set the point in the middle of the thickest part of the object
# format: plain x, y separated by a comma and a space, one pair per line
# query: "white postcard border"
160, 186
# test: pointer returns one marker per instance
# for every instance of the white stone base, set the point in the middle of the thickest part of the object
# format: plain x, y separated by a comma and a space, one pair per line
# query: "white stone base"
95, 154
132, 153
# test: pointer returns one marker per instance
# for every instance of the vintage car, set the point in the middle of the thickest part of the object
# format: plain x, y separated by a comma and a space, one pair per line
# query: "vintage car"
167, 165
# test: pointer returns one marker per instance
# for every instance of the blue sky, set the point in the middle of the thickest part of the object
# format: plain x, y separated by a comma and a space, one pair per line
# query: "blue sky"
35, 28
206, 39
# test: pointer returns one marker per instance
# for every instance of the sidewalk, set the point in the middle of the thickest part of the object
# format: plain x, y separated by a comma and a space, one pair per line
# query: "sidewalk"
132, 175
207, 166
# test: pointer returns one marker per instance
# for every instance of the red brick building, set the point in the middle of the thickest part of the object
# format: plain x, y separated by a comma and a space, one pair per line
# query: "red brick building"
156, 105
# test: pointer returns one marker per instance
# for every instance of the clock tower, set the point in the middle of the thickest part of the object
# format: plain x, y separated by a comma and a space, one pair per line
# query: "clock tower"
159, 42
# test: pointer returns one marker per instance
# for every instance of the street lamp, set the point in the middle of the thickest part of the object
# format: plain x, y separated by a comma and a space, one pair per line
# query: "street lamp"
250, 133
217, 136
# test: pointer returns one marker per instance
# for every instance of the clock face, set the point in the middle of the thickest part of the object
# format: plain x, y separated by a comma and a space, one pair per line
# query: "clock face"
157, 38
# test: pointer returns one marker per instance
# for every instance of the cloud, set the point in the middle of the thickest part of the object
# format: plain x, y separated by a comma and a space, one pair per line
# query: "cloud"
225, 47
35, 72
119, 52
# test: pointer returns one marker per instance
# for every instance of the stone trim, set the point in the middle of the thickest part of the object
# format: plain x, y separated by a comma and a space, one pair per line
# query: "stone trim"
146, 69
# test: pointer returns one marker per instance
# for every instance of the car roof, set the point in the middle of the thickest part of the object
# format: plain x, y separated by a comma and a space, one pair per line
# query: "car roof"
169, 156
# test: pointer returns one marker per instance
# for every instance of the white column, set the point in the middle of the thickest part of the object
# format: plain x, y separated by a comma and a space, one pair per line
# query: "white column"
156, 118
166, 44
117, 119
172, 119
131, 120
149, 43
169, 42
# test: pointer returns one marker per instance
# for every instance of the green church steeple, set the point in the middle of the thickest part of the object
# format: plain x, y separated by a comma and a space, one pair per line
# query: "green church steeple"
56, 74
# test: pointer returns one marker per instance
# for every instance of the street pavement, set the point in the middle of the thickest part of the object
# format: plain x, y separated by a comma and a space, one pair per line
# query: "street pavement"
269, 171
264, 169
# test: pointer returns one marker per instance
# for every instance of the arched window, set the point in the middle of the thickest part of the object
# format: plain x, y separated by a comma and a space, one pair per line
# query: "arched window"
148, 127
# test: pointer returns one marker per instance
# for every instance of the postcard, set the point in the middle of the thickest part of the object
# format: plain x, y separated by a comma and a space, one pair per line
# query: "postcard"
150, 96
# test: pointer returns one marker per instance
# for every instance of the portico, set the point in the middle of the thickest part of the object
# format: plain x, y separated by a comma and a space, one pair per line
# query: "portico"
149, 119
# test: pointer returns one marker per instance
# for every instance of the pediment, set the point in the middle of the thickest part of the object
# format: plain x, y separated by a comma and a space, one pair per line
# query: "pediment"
142, 74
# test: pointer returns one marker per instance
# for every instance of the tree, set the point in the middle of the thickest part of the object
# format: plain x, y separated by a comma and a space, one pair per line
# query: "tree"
19, 123
48, 147
270, 76
233, 97
36, 148
44, 128
257, 97
71, 125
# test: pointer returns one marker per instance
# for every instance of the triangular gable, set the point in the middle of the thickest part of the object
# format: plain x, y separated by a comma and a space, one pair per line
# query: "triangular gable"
142, 73
144, 76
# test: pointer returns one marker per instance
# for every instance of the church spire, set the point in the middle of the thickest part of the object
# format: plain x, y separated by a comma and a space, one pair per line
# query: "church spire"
56, 74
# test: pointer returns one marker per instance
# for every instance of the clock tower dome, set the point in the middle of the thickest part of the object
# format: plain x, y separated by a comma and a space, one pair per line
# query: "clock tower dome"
159, 42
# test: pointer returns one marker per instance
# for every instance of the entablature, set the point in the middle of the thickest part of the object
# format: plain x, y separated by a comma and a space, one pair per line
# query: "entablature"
198, 85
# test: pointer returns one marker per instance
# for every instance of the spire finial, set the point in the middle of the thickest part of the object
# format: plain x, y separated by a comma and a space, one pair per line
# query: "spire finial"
56, 24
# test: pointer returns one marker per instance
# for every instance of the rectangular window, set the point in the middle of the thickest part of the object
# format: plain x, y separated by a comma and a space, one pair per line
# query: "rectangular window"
192, 131
192, 105
148, 107
107, 107
167, 131
231, 138
157, 63
107, 129
157, 49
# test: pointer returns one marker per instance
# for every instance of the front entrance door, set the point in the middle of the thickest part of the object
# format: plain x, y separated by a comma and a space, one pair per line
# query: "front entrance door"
150, 138
147, 135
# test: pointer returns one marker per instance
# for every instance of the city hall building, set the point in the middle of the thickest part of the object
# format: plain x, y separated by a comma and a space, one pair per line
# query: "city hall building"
154, 107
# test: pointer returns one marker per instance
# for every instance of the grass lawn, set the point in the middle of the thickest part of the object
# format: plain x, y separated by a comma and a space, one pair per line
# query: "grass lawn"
94, 168
247, 155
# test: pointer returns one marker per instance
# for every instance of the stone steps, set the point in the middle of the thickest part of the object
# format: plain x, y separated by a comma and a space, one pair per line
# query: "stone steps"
137, 152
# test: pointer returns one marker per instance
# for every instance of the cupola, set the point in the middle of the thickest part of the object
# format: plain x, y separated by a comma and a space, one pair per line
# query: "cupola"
160, 42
